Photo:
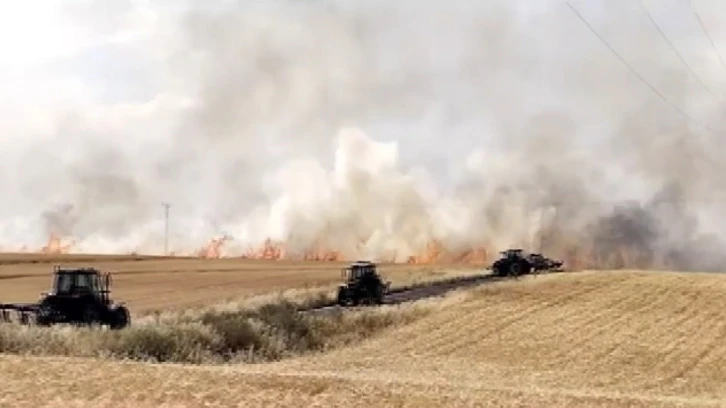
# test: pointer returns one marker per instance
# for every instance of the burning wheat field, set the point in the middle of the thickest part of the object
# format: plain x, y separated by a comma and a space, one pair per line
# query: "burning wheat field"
590, 339
309, 203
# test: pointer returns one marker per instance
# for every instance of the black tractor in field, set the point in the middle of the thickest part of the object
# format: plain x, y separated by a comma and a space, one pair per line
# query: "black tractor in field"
514, 263
78, 296
363, 285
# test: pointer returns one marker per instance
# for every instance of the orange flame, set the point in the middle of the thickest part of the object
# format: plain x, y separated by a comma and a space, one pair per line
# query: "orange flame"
436, 252
55, 246
213, 250
575, 251
277, 250
432, 253
321, 252
269, 250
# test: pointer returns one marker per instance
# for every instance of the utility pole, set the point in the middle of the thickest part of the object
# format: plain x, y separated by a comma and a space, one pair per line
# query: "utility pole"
166, 227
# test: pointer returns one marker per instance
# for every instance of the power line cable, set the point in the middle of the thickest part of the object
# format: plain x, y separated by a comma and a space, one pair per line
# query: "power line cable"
652, 201
675, 50
634, 71
705, 31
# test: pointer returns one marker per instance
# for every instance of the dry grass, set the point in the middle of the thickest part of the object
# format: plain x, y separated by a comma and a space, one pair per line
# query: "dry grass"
584, 339
260, 329
150, 284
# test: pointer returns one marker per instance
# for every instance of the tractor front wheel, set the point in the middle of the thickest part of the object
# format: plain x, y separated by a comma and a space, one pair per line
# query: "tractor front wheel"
342, 296
120, 318
44, 316
380, 293
514, 269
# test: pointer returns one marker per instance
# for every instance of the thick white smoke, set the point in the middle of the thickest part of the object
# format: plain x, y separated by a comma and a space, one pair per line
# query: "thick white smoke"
375, 127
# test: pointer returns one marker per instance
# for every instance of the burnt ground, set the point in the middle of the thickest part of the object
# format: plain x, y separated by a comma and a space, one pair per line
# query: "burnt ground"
425, 290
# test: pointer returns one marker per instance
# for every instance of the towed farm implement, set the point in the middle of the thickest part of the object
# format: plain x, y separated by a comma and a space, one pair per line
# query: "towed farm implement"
79, 296
515, 262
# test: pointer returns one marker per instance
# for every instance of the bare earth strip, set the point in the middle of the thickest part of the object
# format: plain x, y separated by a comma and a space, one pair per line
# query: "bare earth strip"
151, 284
590, 339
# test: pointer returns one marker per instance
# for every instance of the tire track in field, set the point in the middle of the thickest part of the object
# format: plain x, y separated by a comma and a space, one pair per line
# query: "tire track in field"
10, 276
479, 392
577, 320
459, 321
416, 291
604, 353
483, 329
637, 306
615, 343
590, 311
659, 343
629, 335
648, 333
682, 326
452, 340
436, 288
706, 339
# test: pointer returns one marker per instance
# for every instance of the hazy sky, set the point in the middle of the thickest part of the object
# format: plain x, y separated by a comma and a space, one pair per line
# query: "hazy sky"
120, 58
105, 53
114, 106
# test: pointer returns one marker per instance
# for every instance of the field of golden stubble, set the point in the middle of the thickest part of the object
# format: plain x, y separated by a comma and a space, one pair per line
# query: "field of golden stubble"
150, 284
590, 339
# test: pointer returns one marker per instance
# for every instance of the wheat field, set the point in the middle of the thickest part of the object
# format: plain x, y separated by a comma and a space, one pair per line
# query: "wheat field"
149, 284
590, 339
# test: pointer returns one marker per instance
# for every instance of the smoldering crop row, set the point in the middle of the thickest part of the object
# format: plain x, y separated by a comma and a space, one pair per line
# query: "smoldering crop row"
374, 130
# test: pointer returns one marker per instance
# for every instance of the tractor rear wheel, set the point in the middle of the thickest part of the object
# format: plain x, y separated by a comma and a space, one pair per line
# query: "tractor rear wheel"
502, 268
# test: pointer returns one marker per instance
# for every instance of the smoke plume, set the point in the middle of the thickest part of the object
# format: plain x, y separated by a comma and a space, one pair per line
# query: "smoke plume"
407, 131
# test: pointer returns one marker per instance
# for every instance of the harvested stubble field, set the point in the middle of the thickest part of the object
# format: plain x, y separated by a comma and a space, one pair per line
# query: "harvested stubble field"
149, 284
643, 339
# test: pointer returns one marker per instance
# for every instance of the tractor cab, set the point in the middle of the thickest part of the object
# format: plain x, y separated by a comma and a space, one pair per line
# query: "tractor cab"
81, 295
358, 270
76, 282
513, 253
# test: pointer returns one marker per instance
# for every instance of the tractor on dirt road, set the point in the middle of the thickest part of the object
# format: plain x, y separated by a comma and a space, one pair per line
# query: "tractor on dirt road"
363, 285
514, 263
78, 296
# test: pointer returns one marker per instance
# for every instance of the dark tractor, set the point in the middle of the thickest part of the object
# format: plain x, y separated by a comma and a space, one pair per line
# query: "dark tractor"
363, 285
512, 263
81, 296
